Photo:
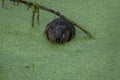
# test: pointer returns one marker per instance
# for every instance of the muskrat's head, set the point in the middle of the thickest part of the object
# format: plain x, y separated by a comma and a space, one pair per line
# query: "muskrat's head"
59, 30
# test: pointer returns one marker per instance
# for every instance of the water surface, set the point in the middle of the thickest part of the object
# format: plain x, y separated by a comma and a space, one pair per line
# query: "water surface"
26, 54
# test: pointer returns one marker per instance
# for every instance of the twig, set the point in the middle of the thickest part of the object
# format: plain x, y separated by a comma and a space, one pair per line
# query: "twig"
33, 15
38, 16
37, 6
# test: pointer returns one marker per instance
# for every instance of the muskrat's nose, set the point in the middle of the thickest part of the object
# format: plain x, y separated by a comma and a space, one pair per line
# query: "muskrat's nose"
58, 40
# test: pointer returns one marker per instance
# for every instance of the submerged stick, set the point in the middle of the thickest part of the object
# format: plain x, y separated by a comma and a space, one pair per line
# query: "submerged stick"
3, 2
33, 15
51, 11
38, 15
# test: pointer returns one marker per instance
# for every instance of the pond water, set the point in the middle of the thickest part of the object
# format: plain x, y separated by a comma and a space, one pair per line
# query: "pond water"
26, 54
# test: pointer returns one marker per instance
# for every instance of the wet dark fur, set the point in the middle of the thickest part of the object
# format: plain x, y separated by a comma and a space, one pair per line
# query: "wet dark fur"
60, 30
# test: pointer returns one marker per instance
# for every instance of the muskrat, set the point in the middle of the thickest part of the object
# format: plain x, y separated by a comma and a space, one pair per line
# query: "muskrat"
60, 30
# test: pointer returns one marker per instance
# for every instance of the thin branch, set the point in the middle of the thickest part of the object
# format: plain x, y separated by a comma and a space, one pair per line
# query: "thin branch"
33, 15
37, 6
38, 16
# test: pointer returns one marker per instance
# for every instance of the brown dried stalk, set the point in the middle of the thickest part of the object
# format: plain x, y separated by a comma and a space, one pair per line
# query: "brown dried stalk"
36, 8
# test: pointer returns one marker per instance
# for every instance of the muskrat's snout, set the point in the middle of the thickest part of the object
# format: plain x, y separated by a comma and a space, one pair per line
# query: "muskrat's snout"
59, 30
58, 37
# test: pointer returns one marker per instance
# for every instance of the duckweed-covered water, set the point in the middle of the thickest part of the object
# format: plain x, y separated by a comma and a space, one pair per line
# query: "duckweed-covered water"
26, 54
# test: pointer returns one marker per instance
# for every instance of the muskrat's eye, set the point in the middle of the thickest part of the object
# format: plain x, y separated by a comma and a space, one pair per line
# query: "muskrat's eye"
62, 31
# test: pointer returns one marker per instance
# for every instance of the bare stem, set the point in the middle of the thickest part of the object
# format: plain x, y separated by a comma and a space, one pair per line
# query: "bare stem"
33, 15
38, 6
38, 15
